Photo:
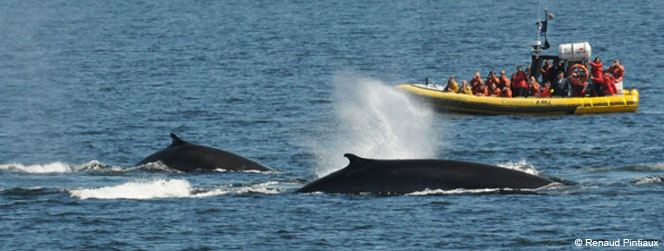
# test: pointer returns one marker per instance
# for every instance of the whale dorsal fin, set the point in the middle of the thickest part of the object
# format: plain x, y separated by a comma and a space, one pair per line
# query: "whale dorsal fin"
176, 141
355, 160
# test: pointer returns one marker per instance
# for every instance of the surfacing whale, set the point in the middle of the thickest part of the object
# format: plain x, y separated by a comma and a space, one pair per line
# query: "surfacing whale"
412, 175
188, 157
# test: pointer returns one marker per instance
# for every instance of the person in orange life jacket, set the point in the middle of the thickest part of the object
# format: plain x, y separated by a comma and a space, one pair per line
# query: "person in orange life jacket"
596, 69
519, 83
506, 92
546, 71
533, 87
617, 70
465, 88
452, 85
546, 91
561, 85
481, 91
609, 84
476, 83
493, 91
578, 87
504, 82
491, 79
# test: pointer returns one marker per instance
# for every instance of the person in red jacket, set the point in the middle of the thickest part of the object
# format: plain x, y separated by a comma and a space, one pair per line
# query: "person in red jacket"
546, 91
609, 85
519, 83
596, 69
504, 82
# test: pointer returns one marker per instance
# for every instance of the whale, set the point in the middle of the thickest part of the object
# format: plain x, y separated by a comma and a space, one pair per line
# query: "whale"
188, 157
403, 176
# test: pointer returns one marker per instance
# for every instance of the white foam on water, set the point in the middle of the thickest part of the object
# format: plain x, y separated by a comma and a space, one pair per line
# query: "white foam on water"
168, 188
139, 190
648, 180
262, 188
522, 166
374, 120
54, 167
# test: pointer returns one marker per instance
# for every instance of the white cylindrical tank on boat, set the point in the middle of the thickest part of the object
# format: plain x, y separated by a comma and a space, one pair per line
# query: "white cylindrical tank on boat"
574, 51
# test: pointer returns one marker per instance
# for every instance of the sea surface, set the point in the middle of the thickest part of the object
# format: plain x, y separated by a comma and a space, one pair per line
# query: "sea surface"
89, 88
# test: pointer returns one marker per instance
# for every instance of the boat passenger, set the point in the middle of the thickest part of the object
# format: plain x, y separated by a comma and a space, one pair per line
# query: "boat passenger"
596, 73
578, 87
561, 85
519, 83
546, 91
527, 72
546, 70
504, 82
618, 70
476, 83
493, 91
491, 79
556, 69
506, 92
452, 85
609, 84
465, 88
481, 91
533, 87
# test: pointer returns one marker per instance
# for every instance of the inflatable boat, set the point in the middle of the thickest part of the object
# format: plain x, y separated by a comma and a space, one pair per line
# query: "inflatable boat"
572, 60
470, 104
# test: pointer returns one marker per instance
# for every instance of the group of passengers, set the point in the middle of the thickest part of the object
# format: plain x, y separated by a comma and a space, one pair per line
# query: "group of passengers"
521, 84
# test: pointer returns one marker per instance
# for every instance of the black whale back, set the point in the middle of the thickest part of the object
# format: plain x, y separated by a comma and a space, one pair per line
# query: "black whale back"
187, 157
406, 176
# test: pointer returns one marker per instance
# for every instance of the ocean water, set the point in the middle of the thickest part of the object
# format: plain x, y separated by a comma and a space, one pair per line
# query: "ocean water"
88, 89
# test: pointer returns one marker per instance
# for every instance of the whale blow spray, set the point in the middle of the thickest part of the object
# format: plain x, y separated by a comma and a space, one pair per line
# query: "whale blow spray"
375, 120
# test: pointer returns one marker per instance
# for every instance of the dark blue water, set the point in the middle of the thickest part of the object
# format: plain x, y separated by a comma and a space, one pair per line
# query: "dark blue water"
87, 89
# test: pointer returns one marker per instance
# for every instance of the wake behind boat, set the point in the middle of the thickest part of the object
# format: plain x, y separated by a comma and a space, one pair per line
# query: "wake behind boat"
568, 87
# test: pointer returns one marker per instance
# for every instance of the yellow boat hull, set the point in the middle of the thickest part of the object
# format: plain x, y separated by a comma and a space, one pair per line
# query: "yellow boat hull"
464, 103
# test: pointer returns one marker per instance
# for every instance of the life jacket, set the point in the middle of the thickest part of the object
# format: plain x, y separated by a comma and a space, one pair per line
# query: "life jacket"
452, 86
520, 80
545, 93
481, 91
506, 93
490, 81
466, 90
475, 82
596, 69
493, 93
533, 89
609, 87
617, 72
577, 87
504, 82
